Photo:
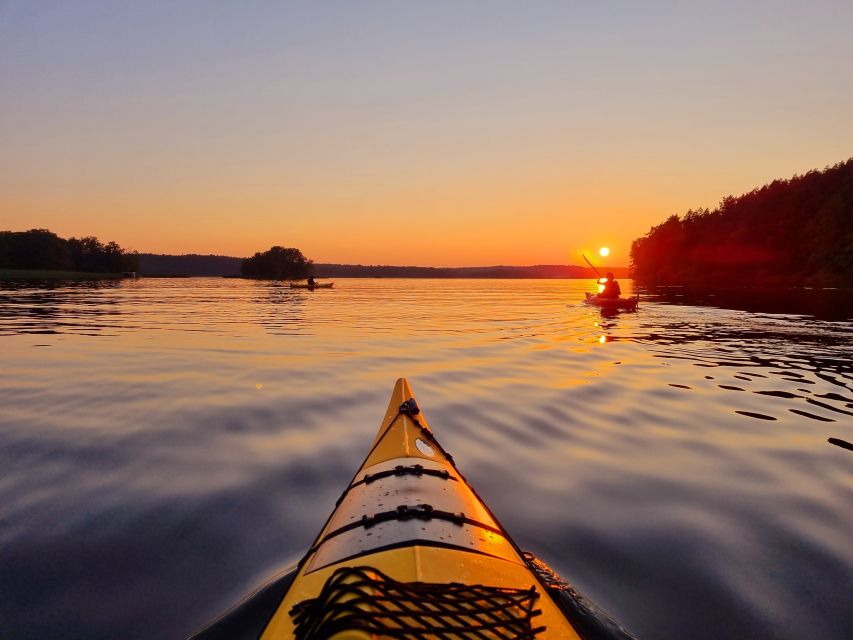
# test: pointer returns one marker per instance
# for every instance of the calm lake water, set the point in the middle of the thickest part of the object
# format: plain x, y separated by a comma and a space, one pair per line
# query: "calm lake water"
167, 445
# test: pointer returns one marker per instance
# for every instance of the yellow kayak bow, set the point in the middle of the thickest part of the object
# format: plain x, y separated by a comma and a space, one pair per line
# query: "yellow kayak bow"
411, 551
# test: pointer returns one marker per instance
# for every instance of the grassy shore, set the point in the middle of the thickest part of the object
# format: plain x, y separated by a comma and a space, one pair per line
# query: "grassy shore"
42, 274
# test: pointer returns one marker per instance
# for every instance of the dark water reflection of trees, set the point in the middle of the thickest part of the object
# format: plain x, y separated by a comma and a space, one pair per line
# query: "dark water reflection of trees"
824, 304
42, 306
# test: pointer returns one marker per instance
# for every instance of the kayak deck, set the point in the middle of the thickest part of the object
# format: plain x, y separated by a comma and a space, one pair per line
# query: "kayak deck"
411, 551
410, 515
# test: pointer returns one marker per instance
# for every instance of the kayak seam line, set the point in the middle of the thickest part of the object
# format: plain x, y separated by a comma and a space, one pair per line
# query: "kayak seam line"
400, 470
380, 438
415, 543
404, 512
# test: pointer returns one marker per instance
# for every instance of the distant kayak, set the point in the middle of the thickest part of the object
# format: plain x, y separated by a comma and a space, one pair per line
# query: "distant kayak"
319, 285
613, 303
411, 552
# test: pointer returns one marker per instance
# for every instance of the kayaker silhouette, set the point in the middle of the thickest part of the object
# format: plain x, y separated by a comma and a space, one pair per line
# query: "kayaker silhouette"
310, 281
611, 287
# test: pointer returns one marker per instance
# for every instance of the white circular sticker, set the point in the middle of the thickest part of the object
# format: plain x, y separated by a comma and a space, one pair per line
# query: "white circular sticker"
424, 448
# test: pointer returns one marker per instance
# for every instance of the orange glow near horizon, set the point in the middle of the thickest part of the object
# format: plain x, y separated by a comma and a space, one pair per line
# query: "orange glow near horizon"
358, 138
486, 222
479, 224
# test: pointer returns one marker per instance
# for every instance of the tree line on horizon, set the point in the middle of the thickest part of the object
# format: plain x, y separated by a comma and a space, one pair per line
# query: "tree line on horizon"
791, 232
40, 249
218, 265
541, 271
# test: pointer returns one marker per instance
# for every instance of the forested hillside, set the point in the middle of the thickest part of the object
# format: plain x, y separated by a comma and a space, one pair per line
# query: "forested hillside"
40, 249
789, 232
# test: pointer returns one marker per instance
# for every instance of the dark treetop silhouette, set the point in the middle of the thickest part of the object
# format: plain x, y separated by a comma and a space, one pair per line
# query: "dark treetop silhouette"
787, 233
277, 263
40, 249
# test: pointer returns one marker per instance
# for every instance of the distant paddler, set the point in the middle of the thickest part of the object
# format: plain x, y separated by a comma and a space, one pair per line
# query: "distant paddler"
606, 284
311, 284
609, 286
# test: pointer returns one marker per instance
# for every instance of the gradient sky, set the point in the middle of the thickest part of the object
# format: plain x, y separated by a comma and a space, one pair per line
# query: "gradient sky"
429, 133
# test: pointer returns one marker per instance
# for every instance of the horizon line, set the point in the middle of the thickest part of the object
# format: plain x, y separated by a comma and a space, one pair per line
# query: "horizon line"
396, 266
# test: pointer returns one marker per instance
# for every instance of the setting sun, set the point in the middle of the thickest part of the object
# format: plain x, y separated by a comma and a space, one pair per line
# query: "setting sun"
604, 252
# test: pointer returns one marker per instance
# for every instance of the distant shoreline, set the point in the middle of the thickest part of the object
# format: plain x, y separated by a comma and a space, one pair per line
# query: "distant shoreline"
52, 274
212, 265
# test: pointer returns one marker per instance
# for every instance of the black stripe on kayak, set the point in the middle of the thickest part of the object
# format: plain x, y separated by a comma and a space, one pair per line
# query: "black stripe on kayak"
405, 512
414, 542
416, 470
401, 470
409, 408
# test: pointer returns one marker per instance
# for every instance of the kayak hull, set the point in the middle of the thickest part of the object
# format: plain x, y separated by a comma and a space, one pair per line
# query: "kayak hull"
302, 285
613, 303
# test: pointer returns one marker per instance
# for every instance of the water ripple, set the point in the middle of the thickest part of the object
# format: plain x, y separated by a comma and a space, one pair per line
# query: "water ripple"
182, 440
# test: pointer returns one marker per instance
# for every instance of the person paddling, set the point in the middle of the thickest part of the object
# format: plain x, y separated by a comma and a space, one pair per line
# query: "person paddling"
611, 287
311, 281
